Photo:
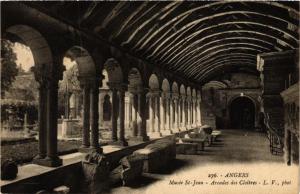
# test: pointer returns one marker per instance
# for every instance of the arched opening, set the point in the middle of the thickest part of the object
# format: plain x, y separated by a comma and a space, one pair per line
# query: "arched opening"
106, 108
134, 86
78, 64
242, 113
22, 49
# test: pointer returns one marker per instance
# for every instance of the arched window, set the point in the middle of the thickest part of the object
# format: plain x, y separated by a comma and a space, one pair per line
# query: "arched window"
106, 108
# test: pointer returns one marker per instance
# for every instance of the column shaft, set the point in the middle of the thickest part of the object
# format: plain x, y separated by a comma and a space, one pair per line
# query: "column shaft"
151, 107
114, 120
172, 110
121, 116
167, 106
52, 95
42, 122
86, 118
94, 117
162, 114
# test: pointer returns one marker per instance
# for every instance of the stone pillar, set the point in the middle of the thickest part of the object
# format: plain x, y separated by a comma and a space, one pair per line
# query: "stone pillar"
188, 109
183, 112
114, 119
195, 113
162, 114
152, 113
180, 114
156, 132
122, 140
52, 96
142, 132
199, 123
176, 116
171, 120
86, 118
94, 118
42, 122
167, 130
133, 115
127, 112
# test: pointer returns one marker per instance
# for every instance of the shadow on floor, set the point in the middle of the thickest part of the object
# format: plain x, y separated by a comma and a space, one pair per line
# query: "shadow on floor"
175, 165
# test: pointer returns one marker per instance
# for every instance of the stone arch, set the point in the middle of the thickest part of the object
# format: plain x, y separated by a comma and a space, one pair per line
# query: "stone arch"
85, 63
114, 71
194, 93
175, 88
134, 78
182, 90
106, 108
154, 82
242, 112
188, 91
39, 46
165, 85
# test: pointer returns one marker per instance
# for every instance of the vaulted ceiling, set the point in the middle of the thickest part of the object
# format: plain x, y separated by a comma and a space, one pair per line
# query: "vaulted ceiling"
199, 40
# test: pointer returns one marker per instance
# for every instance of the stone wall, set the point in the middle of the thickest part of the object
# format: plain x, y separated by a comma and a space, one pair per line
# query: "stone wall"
216, 98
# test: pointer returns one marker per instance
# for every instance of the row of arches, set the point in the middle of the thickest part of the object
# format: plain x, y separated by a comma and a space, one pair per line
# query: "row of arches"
147, 90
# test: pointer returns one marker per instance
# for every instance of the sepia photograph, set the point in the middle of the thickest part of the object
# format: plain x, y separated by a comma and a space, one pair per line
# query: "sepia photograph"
150, 97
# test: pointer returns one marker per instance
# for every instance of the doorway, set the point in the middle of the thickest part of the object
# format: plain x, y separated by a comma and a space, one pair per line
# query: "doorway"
242, 113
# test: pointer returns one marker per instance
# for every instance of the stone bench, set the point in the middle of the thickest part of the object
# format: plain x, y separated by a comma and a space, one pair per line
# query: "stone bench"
186, 148
199, 141
215, 134
132, 168
157, 155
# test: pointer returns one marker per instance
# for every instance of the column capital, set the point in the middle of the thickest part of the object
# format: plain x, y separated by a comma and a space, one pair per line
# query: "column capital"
175, 96
117, 86
166, 95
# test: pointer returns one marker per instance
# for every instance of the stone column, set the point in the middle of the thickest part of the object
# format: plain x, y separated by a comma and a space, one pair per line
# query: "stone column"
142, 133
94, 118
114, 119
86, 119
122, 140
199, 112
162, 114
152, 113
183, 112
179, 104
194, 113
157, 132
133, 113
189, 111
167, 130
172, 109
52, 95
42, 124
176, 115
127, 112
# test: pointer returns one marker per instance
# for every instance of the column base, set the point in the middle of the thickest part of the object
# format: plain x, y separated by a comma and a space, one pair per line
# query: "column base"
175, 130
167, 132
50, 162
140, 138
120, 142
90, 149
155, 135
183, 128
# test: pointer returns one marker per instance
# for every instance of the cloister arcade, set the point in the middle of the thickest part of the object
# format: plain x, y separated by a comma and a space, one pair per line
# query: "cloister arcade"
149, 71
126, 91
